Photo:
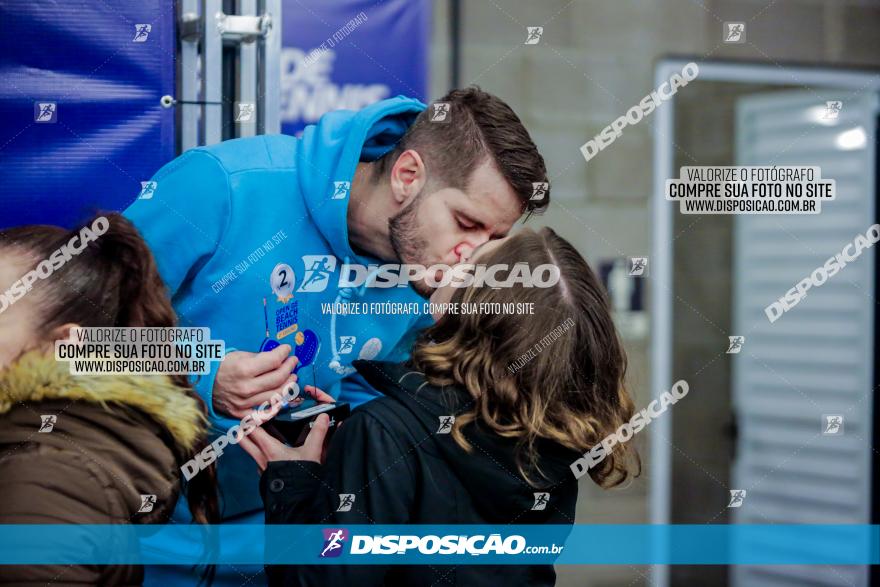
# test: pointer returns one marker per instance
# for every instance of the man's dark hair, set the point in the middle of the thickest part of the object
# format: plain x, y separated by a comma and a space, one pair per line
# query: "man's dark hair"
477, 125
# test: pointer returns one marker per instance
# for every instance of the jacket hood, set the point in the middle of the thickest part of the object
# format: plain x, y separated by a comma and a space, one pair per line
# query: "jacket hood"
489, 471
38, 377
329, 152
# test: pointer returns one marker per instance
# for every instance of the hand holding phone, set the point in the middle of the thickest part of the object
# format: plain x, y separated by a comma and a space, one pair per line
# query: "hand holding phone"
307, 430
294, 426
263, 448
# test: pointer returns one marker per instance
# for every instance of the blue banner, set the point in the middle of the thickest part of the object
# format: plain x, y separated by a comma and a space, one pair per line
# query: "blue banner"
349, 54
446, 544
83, 125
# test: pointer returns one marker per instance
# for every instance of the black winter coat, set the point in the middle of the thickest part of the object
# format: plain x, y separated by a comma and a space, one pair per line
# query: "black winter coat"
390, 455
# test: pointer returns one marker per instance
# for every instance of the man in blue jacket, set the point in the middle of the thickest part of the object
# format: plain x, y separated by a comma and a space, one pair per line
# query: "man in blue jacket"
252, 237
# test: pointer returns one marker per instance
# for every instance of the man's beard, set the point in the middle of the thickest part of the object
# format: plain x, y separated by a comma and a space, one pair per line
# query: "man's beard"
407, 241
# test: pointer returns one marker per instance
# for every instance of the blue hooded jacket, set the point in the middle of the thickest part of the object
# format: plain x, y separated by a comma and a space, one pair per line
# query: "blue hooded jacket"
250, 236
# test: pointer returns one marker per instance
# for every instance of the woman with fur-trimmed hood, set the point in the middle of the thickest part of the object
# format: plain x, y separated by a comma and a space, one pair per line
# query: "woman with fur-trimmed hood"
88, 449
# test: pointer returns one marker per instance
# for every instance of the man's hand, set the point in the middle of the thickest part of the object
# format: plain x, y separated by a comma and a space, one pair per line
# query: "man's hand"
246, 380
264, 449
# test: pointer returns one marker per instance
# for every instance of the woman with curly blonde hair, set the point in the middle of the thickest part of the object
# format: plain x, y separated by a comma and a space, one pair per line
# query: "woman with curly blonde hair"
480, 426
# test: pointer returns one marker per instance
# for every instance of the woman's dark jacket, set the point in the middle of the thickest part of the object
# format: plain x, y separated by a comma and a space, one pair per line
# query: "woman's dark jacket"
402, 470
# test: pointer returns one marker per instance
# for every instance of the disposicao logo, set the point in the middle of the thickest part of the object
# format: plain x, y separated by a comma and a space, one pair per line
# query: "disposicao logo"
333, 541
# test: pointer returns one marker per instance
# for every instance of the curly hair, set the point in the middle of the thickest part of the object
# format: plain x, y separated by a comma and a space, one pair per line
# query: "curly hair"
568, 388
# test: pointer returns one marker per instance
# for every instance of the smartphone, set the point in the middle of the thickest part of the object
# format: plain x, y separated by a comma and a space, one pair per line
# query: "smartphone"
293, 426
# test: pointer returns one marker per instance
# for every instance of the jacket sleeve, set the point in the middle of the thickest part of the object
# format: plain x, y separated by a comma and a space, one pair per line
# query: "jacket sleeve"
50, 486
364, 460
183, 223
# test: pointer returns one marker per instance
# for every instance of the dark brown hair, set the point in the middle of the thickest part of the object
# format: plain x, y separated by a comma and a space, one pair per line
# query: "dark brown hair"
113, 281
480, 126
568, 389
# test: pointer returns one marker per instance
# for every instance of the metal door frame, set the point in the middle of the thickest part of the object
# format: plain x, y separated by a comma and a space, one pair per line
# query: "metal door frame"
203, 30
659, 496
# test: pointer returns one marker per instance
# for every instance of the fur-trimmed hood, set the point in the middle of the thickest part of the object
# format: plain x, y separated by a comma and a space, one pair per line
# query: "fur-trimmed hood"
110, 456
37, 377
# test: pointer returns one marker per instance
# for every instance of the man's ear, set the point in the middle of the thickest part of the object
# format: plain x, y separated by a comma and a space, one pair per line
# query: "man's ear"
408, 176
